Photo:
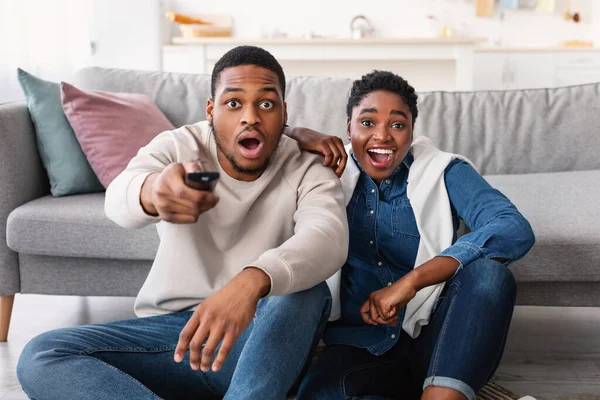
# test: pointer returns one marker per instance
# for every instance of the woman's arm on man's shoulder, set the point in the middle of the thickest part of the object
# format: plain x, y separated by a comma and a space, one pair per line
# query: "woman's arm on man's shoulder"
330, 147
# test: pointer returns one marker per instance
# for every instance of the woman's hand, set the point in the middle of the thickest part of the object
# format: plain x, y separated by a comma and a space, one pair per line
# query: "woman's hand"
383, 305
330, 147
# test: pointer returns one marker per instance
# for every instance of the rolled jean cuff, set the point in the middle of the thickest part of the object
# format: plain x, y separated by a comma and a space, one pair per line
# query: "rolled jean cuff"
451, 383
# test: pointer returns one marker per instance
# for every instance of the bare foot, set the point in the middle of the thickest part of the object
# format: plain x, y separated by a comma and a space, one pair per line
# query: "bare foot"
442, 393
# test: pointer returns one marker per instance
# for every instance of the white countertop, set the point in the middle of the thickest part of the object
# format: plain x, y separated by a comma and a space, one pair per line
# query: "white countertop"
502, 49
327, 41
475, 41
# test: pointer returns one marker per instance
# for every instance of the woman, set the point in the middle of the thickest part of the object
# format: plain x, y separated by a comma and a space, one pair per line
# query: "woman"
433, 332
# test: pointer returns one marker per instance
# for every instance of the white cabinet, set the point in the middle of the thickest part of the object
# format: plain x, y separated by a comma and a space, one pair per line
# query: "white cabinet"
429, 64
578, 68
491, 71
504, 70
532, 71
576, 76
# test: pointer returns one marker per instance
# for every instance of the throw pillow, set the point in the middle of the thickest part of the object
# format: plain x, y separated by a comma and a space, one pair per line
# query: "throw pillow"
66, 165
111, 127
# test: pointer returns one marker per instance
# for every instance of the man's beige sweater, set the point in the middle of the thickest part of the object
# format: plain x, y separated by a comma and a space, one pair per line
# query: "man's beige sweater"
290, 222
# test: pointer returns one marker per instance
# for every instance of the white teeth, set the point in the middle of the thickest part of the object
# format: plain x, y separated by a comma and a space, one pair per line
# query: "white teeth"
381, 151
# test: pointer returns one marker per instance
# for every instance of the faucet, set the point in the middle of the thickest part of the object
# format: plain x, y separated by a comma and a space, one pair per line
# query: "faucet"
361, 27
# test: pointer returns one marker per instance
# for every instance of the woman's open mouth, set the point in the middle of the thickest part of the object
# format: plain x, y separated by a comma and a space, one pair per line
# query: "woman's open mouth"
380, 158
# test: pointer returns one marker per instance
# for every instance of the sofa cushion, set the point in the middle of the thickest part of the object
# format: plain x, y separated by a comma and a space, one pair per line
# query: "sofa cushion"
516, 131
111, 127
564, 213
562, 208
181, 97
67, 167
75, 226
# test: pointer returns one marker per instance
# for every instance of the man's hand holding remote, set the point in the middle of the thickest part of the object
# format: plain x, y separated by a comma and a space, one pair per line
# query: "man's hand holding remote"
166, 195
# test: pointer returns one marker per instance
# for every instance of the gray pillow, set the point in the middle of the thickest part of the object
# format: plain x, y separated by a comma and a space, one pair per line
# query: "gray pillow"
67, 167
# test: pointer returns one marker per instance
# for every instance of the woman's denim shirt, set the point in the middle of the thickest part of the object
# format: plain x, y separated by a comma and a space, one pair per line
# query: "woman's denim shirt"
384, 240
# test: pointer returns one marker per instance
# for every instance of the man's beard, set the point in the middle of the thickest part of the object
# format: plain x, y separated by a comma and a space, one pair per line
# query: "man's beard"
237, 168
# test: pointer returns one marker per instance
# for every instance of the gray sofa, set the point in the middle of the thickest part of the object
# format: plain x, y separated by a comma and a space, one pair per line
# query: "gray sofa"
539, 147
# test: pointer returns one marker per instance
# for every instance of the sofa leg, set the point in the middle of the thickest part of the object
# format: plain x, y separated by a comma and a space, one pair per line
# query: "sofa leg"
6, 306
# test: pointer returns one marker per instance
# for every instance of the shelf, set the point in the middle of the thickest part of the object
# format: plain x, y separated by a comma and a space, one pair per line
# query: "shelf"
327, 41
535, 49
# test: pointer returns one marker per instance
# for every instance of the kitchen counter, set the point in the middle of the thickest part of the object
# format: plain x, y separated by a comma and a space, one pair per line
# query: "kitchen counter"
550, 49
429, 63
326, 41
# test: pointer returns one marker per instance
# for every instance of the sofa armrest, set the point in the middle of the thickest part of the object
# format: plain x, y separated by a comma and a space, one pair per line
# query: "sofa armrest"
22, 178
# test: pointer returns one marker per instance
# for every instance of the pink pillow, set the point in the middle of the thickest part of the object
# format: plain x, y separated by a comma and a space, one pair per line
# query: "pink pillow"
111, 127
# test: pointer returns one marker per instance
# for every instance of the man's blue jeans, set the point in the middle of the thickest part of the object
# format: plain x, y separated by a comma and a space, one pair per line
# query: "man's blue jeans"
133, 359
459, 349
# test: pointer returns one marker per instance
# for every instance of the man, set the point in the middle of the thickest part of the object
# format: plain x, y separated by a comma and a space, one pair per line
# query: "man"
238, 276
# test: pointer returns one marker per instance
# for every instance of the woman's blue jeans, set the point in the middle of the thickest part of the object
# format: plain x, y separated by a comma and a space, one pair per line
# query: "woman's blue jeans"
459, 349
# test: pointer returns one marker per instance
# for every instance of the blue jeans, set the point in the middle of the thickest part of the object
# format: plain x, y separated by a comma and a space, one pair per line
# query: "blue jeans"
459, 349
133, 359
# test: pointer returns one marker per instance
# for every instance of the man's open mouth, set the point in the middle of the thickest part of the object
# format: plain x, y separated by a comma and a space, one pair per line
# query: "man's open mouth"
250, 144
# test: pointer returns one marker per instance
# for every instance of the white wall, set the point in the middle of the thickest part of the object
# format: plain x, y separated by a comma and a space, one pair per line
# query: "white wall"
405, 18
52, 38
126, 34
47, 38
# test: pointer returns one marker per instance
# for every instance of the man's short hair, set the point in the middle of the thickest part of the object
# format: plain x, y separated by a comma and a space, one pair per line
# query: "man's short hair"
246, 55
382, 80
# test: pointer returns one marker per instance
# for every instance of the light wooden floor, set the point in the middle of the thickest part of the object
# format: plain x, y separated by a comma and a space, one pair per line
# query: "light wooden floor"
551, 354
